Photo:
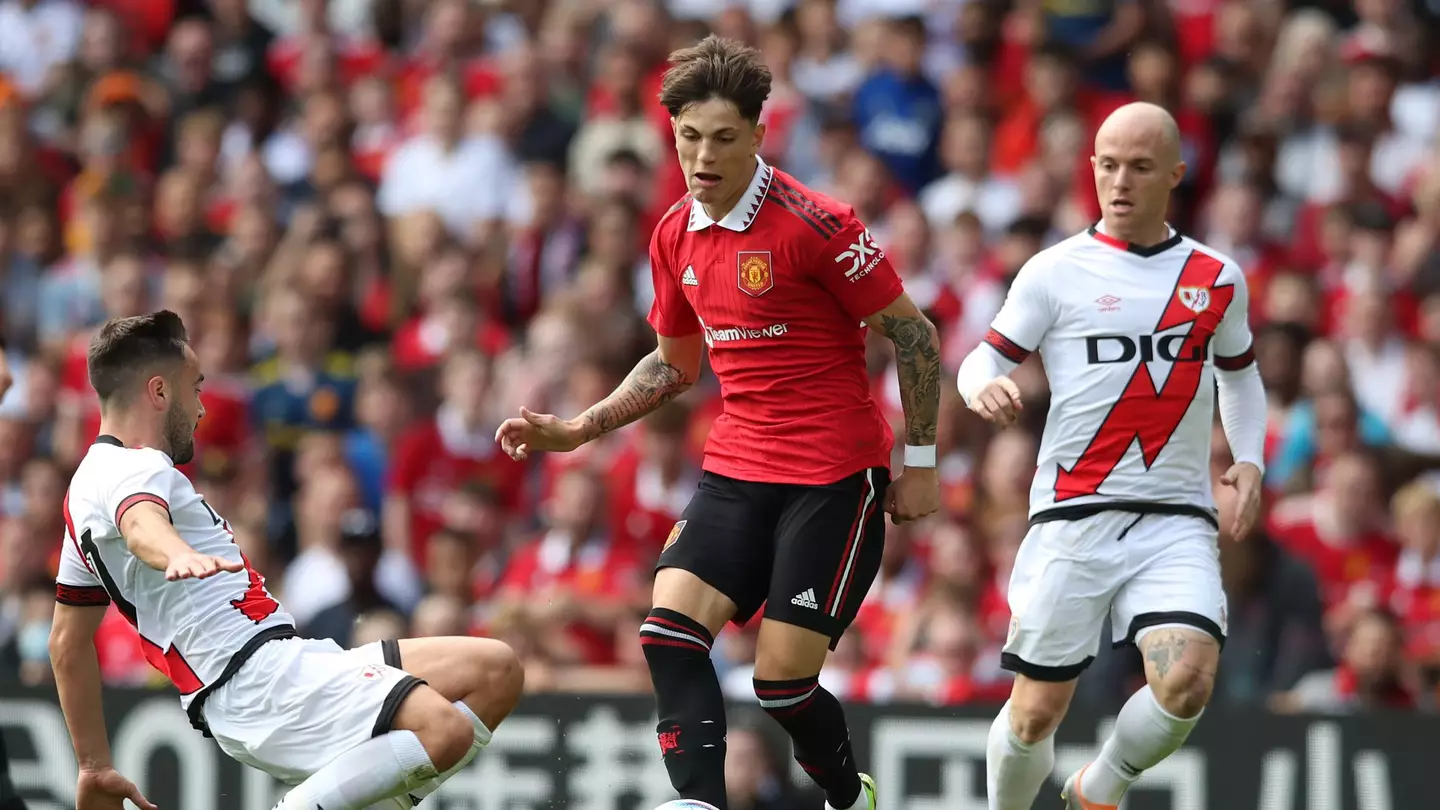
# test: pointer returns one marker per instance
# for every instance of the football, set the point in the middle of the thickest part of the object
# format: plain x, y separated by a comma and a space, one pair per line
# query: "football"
686, 804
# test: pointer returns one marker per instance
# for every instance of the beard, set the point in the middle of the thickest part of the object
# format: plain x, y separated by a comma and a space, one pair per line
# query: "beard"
180, 435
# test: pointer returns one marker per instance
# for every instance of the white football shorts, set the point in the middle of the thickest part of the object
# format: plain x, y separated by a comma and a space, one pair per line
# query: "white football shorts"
1146, 570
298, 703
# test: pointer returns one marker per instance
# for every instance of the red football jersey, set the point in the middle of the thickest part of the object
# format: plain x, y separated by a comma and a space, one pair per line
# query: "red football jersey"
779, 287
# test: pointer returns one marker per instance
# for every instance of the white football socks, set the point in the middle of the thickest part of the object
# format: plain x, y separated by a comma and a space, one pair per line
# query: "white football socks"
389, 765
1144, 735
1014, 771
482, 739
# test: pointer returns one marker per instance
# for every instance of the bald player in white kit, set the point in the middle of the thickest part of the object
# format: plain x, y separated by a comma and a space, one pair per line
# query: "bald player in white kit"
1136, 324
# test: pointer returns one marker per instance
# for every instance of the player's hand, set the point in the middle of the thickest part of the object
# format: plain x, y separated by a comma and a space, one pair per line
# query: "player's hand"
194, 565
1248, 482
913, 495
998, 402
520, 436
106, 789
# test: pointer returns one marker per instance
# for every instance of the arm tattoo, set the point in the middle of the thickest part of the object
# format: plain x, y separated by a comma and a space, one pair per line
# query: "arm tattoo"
652, 383
917, 358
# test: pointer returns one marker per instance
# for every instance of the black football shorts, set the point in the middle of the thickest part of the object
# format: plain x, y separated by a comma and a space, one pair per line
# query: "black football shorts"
808, 553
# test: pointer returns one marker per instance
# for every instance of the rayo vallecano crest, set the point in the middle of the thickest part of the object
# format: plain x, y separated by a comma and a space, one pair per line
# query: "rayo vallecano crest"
1195, 299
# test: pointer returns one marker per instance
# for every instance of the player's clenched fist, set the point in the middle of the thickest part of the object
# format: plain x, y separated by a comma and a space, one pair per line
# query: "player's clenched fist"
998, 401
522, 435
106, 789
194, 565
913, 495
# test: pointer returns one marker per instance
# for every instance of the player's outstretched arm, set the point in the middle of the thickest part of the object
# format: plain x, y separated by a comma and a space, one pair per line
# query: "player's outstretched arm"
77, 681
152, 538
661, 376
915, 493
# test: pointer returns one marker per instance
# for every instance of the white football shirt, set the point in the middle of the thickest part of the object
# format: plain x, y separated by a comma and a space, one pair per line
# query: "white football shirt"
1130, 338
193, 631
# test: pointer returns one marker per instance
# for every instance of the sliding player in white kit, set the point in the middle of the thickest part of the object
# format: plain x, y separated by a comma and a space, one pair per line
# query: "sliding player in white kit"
1135, 323
376, 727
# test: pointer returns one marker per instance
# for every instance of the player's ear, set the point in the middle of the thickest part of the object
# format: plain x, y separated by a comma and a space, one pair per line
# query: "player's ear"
1177, 174
759, 136
157, 391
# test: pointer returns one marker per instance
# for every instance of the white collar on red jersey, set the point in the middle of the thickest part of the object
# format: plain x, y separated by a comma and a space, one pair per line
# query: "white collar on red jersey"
744, 212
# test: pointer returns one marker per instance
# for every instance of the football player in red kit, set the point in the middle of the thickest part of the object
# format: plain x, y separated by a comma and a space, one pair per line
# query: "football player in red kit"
781, 284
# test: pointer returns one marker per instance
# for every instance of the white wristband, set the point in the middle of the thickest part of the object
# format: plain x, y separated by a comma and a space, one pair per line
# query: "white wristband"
920, 455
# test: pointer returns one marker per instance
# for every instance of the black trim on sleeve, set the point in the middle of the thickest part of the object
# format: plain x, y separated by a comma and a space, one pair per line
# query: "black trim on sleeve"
81, 595
1035, 672
1184, 617
390, 652
1237, 362
384, 724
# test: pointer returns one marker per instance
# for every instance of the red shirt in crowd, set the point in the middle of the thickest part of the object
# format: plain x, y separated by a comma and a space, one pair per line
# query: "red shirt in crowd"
1361, 567
598, 569
354, 58
779, 289
1415, 601
420, 342
432, 461
642, 507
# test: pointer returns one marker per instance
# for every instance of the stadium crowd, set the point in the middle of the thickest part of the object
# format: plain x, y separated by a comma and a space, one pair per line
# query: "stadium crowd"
387, 223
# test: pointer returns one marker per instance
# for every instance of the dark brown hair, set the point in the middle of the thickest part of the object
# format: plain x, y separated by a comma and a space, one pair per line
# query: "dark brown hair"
128, 348
716, 68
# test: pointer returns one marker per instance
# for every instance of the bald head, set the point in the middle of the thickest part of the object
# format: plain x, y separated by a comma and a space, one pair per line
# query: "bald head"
1142, 122
1137, 164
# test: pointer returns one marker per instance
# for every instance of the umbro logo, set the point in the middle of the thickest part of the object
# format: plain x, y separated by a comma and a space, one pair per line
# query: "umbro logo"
806, 599
688, 277
1108, 303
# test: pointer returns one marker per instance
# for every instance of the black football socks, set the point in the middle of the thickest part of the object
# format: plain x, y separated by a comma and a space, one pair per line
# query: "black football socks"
690, 705
815, 721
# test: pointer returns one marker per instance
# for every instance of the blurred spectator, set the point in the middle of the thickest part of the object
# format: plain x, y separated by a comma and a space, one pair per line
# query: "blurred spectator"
37, 36
327, 522
571, 586
1369, 675
754, 774
1340, 532
453, 447
469, 179
897, 110
359, 551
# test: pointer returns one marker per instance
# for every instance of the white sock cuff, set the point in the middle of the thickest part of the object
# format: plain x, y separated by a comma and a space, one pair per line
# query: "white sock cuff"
1155, 704
482, 734
413, 758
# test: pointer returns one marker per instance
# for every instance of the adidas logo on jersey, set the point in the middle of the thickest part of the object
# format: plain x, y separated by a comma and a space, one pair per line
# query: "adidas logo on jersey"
806, 599
688, 277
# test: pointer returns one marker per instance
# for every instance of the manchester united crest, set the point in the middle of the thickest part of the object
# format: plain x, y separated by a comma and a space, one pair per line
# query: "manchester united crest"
756, 278
674, 534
